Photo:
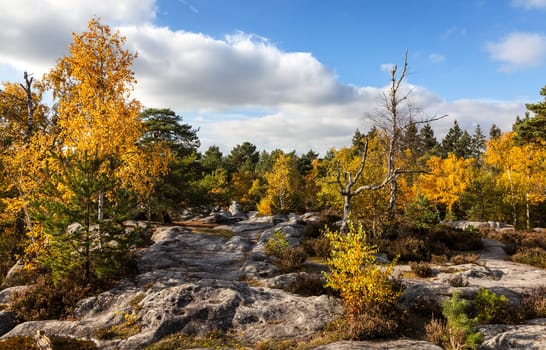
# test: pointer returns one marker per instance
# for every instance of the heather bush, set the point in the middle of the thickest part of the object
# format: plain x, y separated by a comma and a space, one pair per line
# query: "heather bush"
460, 259
534, 303
308, 285
285, 257
531, 256
58, 343
421, 269
48, 299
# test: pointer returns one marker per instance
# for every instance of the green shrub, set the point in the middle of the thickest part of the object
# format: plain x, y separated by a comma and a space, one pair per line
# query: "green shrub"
422, 213
421, 269
489, 307
276, 244
460, 333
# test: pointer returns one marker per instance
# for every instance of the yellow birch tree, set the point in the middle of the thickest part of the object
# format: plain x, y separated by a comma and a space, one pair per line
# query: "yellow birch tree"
446, 181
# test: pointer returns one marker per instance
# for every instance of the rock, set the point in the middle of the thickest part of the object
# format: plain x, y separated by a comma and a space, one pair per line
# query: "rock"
507, 337
7, 321
16, 274
408, 344
287, 280
7, 293
291, 231
236, 211
238, 244
167, 233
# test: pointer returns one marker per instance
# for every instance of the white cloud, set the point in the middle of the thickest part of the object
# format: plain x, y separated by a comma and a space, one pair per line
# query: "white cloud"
530, 4
237, 88
519, 49
189, 70
38, 31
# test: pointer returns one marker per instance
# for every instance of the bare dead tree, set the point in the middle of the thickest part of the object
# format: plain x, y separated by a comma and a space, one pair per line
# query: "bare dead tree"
346, 181
396, 115
31, 106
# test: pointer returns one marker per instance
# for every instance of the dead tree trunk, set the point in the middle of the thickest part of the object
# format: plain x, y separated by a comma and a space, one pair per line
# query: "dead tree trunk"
348, 181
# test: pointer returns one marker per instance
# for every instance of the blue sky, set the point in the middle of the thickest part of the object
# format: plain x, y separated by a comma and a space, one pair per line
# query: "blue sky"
302, 74
447, 39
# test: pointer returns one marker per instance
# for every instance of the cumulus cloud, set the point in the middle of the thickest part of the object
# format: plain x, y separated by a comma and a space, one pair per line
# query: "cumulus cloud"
530, 4
518, 50
193, 70
38, 32
236, 88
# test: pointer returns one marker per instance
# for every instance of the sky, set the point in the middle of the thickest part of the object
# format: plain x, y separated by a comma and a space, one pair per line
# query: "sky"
301, 74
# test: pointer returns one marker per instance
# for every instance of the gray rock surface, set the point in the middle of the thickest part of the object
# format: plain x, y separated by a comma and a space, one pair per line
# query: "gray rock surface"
408, 344
196, 282
509, 337
190, 282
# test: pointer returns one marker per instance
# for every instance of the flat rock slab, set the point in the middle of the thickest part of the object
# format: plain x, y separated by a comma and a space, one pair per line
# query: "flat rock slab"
408, 344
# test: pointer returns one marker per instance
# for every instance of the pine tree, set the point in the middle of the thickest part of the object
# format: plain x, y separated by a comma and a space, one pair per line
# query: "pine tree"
477, 144
494, 132
450, 141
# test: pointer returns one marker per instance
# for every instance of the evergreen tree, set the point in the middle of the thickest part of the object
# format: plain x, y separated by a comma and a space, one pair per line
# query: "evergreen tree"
212, 159
531, 129
165, 126
477, 144
450, 141
243, 157
494, 132
463, 146
429, 142
165, 131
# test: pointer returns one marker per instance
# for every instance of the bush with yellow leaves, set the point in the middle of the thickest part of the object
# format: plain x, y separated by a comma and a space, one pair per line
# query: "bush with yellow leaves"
360, 281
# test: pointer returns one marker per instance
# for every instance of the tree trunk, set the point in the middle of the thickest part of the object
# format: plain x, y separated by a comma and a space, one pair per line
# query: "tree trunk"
346, 212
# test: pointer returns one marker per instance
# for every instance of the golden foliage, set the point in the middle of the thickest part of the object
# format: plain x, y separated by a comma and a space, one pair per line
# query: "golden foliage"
447, 181
354, 273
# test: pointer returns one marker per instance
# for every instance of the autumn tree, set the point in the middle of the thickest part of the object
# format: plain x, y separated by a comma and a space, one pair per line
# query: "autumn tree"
446, 180
23, 120
523, 171
283, 186
99, 130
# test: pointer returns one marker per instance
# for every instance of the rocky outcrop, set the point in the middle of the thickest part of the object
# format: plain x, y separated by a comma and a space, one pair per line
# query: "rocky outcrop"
191, 282
195, 282
508, 337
